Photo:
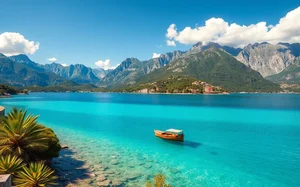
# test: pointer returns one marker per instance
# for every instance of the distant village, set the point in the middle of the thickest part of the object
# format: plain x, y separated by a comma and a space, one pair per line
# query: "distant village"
181, 85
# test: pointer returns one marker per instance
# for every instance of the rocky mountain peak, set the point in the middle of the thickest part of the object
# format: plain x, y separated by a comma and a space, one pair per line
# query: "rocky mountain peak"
200, 46
266, 58
24, 59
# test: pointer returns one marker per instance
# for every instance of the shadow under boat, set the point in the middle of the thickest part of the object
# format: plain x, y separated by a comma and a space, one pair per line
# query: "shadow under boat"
186, 143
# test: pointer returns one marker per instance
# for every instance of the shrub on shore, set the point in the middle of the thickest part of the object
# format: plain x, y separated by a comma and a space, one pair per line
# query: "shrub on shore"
53, 146
22, 136
23, 142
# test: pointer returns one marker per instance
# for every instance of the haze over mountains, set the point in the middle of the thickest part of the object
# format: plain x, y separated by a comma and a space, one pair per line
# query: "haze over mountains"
236, 69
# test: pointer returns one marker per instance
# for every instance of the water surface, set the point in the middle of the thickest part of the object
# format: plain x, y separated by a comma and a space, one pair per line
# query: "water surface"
231, 140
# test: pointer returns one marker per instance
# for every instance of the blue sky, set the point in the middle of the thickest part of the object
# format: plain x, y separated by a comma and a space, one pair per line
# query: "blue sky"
84, 32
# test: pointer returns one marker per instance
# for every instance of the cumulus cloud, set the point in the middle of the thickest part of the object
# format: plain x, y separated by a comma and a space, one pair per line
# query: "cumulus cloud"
171, 31
12, 43
53, 59
64, 65
235, 35
155, 55
171, 43
105, 64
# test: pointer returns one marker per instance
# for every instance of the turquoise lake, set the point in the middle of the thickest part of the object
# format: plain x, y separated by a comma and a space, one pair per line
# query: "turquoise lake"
230, 140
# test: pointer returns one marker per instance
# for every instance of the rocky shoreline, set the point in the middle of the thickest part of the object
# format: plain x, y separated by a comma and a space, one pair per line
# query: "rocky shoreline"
74, 171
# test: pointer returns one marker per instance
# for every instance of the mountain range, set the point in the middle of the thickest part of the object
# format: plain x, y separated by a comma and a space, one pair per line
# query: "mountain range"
19, 74
251, 68
216, 67
78, 73
131, 69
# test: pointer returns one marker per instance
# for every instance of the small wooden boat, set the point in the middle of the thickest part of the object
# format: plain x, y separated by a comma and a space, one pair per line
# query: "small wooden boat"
170, 134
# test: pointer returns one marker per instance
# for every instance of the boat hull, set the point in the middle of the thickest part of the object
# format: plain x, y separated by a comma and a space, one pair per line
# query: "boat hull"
169, 136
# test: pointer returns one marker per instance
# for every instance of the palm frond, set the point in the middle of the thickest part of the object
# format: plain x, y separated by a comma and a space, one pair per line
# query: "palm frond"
21, 135
10, 164
36, 175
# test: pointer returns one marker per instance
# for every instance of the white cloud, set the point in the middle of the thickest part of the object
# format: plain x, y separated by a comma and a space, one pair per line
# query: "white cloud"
105, 64
155, 55
235, 35
171, 31
12, 43
64, 65
53, 59
171, 43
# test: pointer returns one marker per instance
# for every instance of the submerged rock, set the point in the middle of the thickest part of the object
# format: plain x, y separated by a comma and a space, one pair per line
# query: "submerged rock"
90, 175
114, 156
70, 185
122, 179
133, 176
91, 169
109, 172
174, 170
104, 183
101, 178
113, 162
116, 183
64, 147
147, 166
99, 173
98, 166
100, 169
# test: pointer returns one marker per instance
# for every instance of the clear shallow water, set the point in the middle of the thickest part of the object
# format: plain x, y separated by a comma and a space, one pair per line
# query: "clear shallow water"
231, 140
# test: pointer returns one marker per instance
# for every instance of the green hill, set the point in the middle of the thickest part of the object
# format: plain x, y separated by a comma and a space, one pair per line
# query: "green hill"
67, 86
215, 67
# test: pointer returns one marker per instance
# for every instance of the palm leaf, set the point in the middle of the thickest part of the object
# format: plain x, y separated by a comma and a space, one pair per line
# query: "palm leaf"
36, 175
10, 164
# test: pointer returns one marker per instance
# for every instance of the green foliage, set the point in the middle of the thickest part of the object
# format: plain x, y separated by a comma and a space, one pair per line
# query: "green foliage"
53, 146
22, 136
10, 90
23, 139
65, 87
173, 84
10, 164
159, 181
35, 175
